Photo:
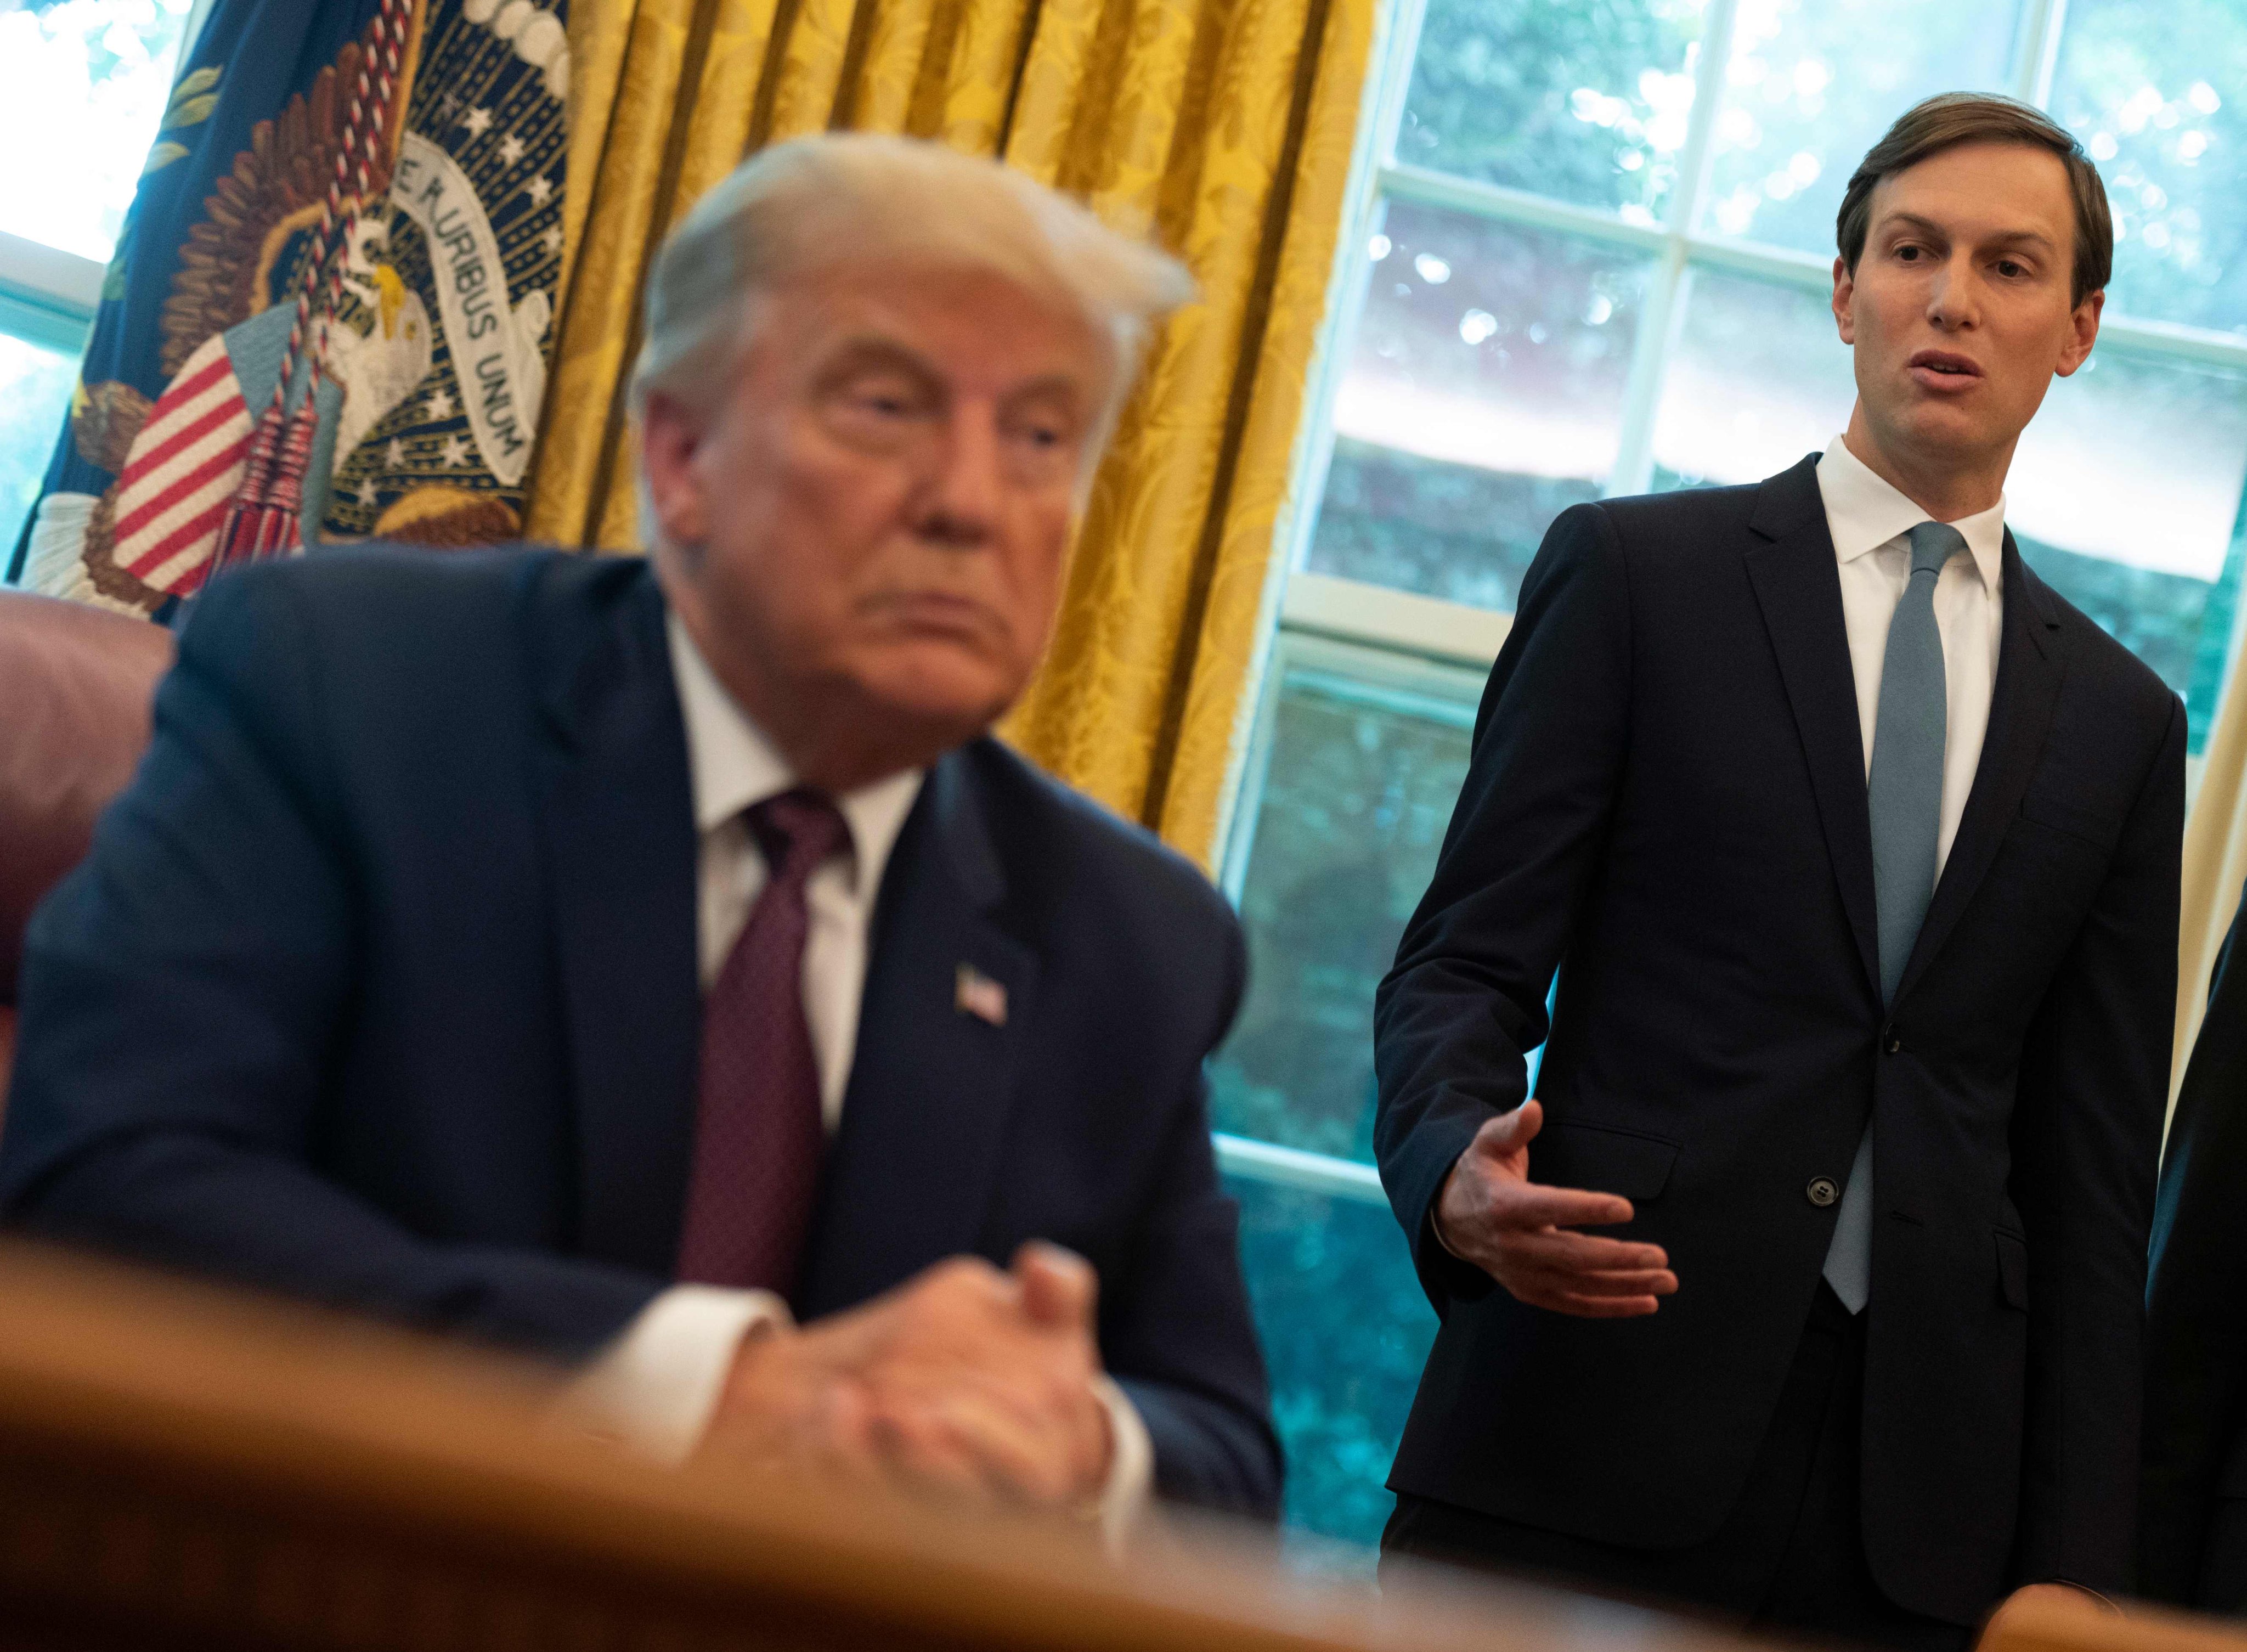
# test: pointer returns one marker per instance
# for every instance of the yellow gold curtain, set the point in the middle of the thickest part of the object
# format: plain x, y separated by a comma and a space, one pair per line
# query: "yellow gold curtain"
1224, 128
2214, 866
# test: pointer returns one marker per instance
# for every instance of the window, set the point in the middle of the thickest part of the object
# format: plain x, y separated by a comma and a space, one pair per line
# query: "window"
83, 85
1588, 254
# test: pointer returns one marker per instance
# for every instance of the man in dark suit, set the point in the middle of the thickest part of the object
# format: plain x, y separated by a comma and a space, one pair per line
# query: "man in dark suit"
628, 961
1855, 848
2192, 1533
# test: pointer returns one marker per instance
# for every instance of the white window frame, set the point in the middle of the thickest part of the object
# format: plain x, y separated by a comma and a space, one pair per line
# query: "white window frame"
1348, 611
48, 296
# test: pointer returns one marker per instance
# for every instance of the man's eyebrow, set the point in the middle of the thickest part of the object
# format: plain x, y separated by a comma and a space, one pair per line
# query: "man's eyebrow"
880, 350
1053, 384
2005, 238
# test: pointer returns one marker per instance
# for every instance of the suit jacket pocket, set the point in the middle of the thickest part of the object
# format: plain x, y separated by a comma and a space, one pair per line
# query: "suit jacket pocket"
2014, 1270
2066, 815
1601, 1159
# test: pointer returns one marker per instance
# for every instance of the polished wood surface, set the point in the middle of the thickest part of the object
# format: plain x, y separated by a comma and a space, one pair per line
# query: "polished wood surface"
2081, 1624
183, 1468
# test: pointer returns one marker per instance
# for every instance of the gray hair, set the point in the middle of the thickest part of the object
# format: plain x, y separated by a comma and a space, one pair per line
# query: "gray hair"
857, 198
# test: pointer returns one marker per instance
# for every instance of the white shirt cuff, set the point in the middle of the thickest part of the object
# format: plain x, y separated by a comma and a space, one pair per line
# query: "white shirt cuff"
1130, 1465
657, 1385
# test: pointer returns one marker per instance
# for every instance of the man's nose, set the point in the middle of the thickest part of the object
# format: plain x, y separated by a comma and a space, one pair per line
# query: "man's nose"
961, 504
1956, 300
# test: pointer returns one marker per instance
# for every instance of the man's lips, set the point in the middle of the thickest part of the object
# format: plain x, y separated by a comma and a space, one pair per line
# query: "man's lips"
1944, 371
931, 610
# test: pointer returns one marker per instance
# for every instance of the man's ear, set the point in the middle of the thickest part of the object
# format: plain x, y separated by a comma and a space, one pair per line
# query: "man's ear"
669, 437
1845, 291
2083, 332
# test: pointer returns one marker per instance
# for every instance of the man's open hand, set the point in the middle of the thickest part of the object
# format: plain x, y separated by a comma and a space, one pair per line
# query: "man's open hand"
963, 1380
1519, 1231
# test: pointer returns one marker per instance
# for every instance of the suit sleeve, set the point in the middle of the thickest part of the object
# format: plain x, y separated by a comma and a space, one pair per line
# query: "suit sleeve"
1176, 1332
185, 990
2086, 1140
2196, 1306
1464, 1002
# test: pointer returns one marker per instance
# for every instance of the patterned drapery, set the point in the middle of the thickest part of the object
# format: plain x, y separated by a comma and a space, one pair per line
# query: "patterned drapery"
2215, 867
1223, 128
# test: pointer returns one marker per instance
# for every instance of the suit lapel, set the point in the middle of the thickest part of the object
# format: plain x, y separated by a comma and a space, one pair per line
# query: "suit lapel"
1799, 587
619, 823
908, 1178
2029, 672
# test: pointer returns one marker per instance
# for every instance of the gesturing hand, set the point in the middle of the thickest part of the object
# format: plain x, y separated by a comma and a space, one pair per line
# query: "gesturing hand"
1490, 1213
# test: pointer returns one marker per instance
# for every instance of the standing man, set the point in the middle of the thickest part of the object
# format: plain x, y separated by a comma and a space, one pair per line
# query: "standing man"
1856, 850
627, 961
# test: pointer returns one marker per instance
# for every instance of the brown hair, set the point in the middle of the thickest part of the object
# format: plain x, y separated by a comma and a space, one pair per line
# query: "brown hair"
1953, 118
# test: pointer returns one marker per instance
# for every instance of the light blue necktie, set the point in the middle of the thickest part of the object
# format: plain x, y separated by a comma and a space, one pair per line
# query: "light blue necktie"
1904, 796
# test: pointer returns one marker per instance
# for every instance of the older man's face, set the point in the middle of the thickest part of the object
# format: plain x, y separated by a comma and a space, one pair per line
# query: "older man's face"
874, 522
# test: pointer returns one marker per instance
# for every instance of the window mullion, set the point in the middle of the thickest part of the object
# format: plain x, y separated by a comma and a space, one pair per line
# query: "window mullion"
1633, 471
2036, 56
1500, 204
64, 282
1292, 1167
1393, 84
1362, 211
1693, 165
1395, 43
1246, 802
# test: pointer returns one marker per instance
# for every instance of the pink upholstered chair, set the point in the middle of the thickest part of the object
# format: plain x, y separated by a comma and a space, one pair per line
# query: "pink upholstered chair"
75, 687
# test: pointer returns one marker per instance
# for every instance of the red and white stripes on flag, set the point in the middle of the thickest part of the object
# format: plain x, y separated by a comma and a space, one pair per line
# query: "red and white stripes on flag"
180, 474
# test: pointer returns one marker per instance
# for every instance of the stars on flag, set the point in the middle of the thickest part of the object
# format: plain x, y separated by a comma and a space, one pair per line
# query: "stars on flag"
510, 150
394, 455
552, 239
365, 493
478, 121
440, 403
539, 190
455, 454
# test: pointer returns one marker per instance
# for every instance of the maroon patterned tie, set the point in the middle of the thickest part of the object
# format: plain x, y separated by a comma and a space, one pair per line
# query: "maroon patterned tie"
758, 1133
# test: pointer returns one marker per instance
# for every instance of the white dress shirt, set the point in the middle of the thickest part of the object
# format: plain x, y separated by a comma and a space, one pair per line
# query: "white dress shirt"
659, 1381
1869, 518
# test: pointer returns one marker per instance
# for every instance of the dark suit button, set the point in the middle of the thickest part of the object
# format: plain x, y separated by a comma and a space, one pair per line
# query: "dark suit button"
1891, 1037
1821, 1191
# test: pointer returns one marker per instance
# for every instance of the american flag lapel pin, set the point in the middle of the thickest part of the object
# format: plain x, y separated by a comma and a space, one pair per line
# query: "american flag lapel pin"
975, 993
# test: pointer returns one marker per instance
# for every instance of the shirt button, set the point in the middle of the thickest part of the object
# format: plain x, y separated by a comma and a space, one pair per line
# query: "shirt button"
1821, 1191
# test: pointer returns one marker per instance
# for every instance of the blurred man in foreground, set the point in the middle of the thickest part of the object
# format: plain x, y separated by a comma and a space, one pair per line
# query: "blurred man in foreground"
1855, 848
602, 957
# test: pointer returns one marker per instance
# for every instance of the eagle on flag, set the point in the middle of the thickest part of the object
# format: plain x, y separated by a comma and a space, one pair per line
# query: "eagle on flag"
329, 315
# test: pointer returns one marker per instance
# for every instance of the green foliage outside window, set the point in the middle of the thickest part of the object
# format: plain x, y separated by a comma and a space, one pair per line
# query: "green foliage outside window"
1585, 100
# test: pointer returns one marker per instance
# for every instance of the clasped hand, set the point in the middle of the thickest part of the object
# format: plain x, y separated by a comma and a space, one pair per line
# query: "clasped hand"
1520, 1233
965, 1380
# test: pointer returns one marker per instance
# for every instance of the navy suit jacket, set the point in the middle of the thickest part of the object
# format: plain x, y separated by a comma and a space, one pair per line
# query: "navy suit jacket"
379, 987
1666, 802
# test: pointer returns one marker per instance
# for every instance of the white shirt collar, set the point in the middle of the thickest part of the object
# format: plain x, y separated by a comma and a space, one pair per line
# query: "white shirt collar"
1866, 510
731, 765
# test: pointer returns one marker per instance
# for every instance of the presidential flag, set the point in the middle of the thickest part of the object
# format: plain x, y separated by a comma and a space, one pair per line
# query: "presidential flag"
363, 198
